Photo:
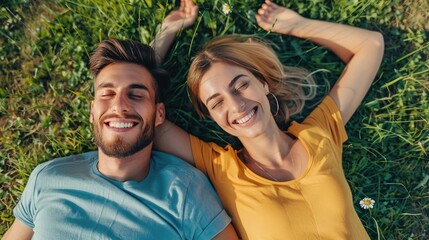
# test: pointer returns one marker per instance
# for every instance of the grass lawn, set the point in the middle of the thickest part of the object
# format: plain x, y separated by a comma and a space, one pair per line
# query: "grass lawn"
45, 90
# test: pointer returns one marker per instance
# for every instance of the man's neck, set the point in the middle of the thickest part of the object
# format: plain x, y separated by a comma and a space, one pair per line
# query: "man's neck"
132, 168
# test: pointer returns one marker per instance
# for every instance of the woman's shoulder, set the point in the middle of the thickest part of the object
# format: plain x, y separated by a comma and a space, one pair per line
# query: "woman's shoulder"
325, 120
197, 142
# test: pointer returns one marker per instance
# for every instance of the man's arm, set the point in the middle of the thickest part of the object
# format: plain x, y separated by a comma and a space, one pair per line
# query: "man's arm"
18, 231
227, 234
176, 20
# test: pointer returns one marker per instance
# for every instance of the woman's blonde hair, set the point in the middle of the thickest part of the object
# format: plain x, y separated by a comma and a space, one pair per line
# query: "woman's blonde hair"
256, 56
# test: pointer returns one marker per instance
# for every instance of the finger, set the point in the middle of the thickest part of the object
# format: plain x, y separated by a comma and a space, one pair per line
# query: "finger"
269, 10
264, 6
182, 5
261, 22
258, 19
190, 5
272, 5
195, 11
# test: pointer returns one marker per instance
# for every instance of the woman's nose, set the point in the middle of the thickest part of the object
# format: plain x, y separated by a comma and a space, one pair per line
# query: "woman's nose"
238, 104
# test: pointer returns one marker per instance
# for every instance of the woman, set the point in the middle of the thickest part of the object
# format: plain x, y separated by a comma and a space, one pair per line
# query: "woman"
280, 185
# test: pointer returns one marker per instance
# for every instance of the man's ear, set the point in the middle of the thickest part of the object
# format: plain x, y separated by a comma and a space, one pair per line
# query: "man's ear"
160, 114
91, 116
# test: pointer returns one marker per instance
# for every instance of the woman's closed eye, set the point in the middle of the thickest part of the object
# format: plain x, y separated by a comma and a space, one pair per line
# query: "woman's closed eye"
216, 104
241, 86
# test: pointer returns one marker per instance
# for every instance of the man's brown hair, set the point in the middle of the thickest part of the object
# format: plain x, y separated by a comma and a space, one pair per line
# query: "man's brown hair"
127, 51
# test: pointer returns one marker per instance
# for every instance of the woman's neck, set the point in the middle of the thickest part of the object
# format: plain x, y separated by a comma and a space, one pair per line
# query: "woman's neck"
270, 148
277, 156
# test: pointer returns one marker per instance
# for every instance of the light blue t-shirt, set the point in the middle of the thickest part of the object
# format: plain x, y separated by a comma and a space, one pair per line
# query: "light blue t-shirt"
68, 198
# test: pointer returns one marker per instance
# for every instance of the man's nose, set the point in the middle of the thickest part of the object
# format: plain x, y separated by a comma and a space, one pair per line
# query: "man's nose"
121, 103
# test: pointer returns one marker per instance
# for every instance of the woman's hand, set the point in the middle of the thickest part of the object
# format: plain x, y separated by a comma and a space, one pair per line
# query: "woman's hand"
183, 17
274, 18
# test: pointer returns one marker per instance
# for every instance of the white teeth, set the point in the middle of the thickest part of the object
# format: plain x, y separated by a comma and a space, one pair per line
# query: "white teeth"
246, 118
120, 125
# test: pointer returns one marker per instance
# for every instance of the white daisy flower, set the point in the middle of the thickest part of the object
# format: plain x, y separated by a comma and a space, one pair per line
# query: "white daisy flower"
366, 203
226, 9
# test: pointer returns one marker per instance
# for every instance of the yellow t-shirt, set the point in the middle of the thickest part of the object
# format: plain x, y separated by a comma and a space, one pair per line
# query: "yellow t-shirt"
317, 205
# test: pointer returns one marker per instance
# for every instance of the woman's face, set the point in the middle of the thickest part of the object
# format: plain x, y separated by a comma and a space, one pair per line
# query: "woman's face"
236, 100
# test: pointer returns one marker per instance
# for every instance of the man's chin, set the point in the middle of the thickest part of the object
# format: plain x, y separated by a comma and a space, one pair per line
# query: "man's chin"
116, 154
120, 149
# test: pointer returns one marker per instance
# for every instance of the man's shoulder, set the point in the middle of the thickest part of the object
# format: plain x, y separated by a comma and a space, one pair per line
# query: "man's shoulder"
171, 163
168, 159
67, 162
178, 175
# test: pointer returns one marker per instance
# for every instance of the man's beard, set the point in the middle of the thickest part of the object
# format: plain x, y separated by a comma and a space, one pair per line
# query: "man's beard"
119, 148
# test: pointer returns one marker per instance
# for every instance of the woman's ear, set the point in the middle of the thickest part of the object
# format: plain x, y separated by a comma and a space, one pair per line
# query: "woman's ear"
266, 88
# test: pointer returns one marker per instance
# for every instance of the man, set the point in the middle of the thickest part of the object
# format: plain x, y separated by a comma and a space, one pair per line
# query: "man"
125, 190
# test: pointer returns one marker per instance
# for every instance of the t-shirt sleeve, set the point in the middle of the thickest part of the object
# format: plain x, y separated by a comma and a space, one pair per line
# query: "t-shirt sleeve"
204, 216
203, 154
25, 210
327, 116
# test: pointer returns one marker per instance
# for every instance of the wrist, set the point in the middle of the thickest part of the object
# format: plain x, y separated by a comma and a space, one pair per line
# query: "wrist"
299, 27
165, 33
169, 29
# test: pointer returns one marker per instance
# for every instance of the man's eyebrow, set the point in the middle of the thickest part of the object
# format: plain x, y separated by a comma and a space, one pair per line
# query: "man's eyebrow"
139, 86
105, 85
132, 86
235, 79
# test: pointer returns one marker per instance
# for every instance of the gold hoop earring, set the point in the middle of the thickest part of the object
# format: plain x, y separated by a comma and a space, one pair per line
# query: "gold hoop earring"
277, 104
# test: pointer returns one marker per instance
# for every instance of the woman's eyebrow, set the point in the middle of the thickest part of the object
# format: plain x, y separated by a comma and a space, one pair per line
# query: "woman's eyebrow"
235, 79
231, 84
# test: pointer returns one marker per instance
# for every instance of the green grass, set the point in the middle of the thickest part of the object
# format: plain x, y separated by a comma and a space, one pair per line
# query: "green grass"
45, 90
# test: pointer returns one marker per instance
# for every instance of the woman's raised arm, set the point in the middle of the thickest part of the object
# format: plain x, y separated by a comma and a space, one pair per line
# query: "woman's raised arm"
169, 137
362, 50
184, 17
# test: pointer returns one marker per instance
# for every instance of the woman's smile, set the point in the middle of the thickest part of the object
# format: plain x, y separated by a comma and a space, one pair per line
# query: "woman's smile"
246, 118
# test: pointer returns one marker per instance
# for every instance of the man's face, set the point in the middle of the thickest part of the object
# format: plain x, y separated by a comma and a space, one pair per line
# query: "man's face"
124, 113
